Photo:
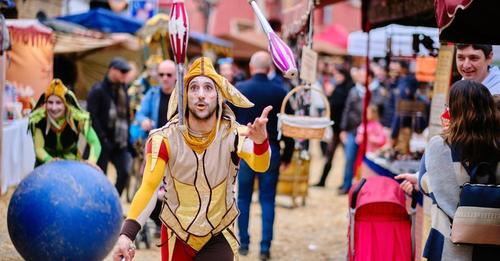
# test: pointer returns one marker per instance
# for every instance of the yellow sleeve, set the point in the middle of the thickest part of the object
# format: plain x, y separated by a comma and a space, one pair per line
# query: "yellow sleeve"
144, 200
257, 156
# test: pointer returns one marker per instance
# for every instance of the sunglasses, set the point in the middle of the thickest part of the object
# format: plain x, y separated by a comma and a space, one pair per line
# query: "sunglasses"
165, 74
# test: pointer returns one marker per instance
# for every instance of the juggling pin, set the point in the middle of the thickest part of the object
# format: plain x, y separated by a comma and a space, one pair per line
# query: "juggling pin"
281, 54
178, 30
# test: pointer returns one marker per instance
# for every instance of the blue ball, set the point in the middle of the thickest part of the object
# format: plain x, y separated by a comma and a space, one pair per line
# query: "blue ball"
64, 210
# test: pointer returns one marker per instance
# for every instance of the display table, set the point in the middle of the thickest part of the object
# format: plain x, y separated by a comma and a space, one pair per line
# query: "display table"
18, 154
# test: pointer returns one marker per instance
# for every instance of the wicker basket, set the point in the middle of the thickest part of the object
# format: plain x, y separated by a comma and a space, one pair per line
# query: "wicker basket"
294, 180
303, 127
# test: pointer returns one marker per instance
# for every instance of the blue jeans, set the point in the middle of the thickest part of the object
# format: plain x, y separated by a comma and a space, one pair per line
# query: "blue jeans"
267, 193
351, 150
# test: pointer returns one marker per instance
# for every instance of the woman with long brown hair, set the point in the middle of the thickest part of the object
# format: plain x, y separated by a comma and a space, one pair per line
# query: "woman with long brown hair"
475, 125
472, 141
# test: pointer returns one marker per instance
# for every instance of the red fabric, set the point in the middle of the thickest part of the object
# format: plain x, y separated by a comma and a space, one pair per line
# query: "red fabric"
446, 10
335, 34
259, 149
164, 243
369, 171
163, 153
382, 232
378, 189
364, 122
382, 225
182, 252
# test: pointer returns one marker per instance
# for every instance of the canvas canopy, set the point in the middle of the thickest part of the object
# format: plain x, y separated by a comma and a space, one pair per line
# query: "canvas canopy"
31, 54
104, 20
468, 21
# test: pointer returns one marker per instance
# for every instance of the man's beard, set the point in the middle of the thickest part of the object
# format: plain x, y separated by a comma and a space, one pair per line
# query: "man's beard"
197, 117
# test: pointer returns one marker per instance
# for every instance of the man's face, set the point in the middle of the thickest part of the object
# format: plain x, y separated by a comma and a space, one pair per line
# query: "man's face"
167, 77
472, 64
361, 77
117, 76
202, 98
55, 107
226, 70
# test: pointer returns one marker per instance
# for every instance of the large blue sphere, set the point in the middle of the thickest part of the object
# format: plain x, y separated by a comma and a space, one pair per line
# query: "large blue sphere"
64, 210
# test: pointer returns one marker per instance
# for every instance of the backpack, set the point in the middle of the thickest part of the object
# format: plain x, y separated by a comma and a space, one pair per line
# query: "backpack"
477, 219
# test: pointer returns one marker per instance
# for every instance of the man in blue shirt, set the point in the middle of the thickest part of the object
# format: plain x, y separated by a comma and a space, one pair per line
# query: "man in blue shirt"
152, 114
262, 92
153, 110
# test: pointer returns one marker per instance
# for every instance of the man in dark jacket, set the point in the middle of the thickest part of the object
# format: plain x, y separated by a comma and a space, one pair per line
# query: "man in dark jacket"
108, 106
262, 92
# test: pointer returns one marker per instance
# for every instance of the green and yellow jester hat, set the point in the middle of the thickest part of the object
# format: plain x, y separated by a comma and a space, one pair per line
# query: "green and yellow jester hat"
57, 88
73, 109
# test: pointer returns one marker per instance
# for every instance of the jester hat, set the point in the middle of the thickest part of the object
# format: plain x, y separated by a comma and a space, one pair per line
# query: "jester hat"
225, 90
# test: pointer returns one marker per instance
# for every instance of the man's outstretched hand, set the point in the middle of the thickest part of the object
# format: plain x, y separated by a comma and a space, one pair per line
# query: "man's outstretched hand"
257, 130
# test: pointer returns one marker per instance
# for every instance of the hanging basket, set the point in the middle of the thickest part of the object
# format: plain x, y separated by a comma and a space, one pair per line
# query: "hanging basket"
303, 127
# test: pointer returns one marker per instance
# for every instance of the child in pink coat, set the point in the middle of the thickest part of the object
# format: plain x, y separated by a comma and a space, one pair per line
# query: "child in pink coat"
376, 135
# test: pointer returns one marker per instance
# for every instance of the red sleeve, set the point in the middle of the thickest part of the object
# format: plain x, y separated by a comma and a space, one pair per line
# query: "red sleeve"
163, 154
259, 149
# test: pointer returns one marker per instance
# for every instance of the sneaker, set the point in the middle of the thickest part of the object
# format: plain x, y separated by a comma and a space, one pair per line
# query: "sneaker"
319, 184
342, 191
264, 256
243, 251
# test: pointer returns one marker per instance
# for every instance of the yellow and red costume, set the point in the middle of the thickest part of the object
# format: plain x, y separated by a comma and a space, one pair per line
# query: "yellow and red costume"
198, 171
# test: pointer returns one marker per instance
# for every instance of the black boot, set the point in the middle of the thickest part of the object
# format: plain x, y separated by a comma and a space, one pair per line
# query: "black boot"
322, 180
264, 256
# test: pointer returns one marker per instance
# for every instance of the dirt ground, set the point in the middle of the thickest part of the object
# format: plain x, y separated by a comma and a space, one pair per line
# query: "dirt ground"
316, 231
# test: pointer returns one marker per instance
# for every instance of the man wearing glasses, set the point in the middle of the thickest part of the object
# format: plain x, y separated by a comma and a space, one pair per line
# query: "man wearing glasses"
152, 114
153, 111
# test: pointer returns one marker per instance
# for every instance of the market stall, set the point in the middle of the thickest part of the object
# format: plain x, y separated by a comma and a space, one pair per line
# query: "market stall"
32, 54
154, 35
17, 155
395, 39
83, 53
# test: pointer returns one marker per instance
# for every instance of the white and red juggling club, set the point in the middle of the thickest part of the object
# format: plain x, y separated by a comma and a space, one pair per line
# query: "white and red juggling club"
178, 30
281, 54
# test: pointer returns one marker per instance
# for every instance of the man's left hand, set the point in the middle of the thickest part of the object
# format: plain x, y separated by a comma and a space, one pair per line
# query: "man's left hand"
257, 130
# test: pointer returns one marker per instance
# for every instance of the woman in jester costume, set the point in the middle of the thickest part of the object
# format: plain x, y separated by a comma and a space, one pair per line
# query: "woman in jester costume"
61, 129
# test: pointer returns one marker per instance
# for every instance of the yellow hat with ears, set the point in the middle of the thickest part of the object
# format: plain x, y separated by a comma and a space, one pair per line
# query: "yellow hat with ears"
227, 92
56, 88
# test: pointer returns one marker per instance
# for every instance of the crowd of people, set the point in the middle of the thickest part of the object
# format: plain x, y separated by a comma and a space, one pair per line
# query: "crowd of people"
192, 171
